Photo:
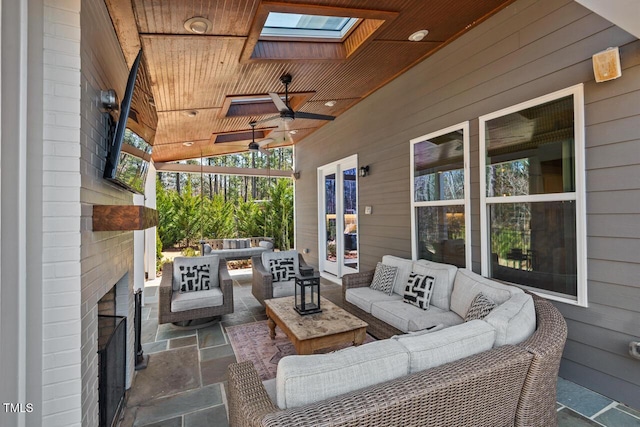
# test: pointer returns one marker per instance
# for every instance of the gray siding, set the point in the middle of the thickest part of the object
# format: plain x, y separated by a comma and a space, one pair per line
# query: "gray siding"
529, 49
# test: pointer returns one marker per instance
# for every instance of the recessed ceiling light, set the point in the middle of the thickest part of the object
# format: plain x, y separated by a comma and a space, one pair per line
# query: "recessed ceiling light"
418, 35
330, 103
190, 113
188, 143
293, 131
197, 25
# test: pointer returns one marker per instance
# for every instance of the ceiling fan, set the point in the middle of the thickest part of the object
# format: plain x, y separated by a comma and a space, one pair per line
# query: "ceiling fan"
286, 112
257, 145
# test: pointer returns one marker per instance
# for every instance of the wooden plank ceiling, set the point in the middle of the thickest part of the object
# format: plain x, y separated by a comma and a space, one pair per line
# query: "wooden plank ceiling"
198, 73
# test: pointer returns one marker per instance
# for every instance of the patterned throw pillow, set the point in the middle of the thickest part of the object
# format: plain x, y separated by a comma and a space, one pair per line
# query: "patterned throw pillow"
480, 307
194, 277
383, 278
418, 290
282, 269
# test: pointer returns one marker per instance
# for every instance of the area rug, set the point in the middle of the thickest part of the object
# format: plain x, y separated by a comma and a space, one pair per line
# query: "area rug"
251, 342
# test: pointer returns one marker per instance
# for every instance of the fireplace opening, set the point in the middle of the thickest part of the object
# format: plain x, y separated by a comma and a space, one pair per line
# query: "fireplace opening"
112, 355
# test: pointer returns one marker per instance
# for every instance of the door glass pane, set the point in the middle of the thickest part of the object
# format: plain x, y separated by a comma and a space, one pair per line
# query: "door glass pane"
534, 244
438, 168
532, 151
441, 232
350, 218
330, 215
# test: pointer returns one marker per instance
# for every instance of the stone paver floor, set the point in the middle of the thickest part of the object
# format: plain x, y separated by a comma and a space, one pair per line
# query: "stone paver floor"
184, 383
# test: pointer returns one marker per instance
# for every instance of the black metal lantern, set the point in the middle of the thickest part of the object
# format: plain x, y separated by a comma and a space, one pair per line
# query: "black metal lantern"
307, 293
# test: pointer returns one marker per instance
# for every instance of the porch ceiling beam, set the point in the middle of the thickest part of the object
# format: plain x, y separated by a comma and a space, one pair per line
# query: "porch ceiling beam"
223, 170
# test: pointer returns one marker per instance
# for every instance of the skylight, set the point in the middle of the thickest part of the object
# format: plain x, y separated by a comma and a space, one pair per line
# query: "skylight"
313, 26
254, 100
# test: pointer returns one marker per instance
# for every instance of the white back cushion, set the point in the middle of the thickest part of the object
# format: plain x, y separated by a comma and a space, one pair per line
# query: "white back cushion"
444, 274
514, 320
301, 380
185, 266
468, 284
404, 269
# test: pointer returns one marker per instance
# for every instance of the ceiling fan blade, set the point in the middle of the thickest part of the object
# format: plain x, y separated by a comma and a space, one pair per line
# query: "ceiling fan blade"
268, 119
313, 116
264, 151
265, 141
280, 105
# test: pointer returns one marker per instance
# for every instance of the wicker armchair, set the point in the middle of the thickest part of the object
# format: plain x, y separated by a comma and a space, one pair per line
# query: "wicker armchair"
512, 385
166, 315
262, 286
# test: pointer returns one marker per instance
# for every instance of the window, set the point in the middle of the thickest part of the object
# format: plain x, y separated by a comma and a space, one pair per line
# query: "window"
440, 217
310, 32
295, 25
532, 207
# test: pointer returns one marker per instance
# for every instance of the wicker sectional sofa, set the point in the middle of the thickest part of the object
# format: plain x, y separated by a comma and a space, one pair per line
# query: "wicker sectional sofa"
509, 385
452, 295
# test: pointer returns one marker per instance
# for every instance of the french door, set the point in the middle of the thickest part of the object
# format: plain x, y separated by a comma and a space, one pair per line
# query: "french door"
338, 217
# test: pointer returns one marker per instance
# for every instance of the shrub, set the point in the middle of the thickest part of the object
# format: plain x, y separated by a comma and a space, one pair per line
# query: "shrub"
189, 252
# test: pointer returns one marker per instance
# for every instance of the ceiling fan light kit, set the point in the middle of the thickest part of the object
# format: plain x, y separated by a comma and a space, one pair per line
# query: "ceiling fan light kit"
286, 112
257, 146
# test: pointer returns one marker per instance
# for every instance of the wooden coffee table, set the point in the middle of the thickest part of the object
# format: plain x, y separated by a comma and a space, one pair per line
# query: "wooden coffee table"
314, 331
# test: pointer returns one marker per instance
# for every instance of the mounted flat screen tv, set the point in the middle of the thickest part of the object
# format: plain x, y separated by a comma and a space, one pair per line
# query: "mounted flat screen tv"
129, 154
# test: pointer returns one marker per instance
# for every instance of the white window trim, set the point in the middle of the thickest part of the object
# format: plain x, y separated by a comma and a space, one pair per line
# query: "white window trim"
285, 32
579, 195
466, 202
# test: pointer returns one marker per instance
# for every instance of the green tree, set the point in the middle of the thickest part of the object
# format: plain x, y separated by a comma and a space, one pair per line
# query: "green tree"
164, 205
185, 216
279, 214
217, 218
249, 219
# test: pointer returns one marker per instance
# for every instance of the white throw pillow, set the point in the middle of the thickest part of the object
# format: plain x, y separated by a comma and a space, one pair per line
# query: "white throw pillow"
265, 244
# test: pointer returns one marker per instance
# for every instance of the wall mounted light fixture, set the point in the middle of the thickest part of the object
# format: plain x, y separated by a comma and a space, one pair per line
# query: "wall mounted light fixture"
364, 171
109, 100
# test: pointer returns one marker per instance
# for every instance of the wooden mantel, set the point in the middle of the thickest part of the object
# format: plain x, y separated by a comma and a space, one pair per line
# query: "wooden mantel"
123, 217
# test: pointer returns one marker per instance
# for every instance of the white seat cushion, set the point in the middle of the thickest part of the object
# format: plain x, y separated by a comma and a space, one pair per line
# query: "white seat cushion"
395, 313
514, 320
301, 380
448, 344
444, 274
409, 318
364, 297
182, 301
195, 269
434, 316
270, 386
402, 276
468, 284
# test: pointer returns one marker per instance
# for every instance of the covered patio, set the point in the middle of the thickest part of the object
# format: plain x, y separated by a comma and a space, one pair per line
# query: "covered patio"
499, 136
